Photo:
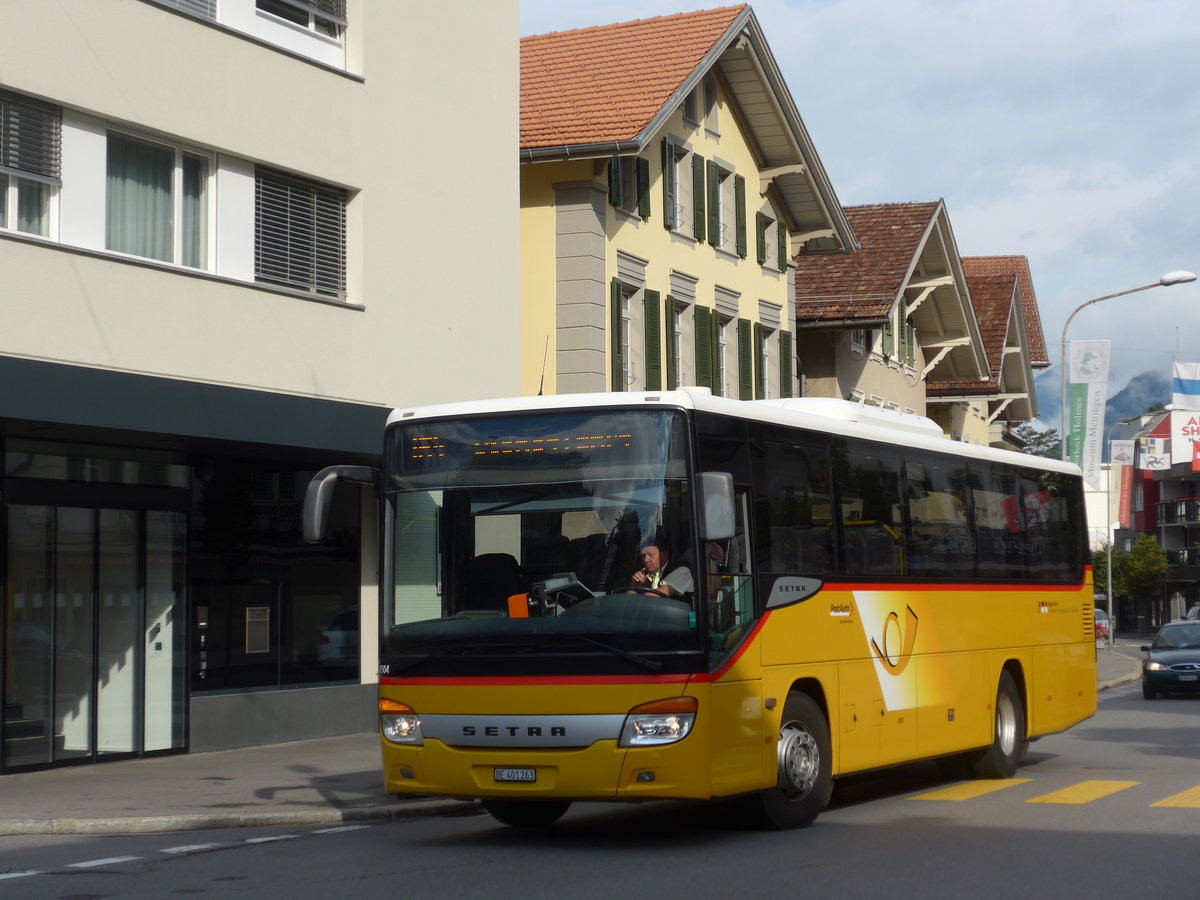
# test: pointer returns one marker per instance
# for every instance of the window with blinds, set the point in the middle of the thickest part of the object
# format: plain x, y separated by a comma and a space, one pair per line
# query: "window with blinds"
201, 9
327, 17
299, 233
30, 154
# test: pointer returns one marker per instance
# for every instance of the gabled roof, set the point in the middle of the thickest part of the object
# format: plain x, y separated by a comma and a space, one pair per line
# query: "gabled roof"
603, 85
862, 287
999, 309
611, 90
1018, 266
907, 251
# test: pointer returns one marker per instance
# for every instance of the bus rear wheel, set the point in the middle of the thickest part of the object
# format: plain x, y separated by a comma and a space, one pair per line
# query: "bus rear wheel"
803, 762
526, 813
1002, 758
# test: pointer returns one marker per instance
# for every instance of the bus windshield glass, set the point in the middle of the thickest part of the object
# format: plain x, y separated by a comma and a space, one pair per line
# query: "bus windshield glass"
516, 543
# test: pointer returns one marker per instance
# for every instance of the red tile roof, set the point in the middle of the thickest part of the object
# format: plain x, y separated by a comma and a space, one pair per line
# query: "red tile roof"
862, 285
606, 83
1018, 266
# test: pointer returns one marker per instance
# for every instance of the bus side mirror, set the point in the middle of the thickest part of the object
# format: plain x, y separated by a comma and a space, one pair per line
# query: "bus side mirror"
318, 498
718, 496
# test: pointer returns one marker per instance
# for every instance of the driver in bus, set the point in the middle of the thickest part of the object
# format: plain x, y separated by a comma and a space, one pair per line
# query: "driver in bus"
658, 575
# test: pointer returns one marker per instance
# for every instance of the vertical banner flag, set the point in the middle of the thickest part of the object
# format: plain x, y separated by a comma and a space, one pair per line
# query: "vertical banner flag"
1185, 436
1085, 406
1185, 388
1121, 454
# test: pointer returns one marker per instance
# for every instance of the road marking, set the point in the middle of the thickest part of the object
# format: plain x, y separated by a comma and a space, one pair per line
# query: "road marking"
21, 874
193, 848
340, 828
270, 838
969, 790
1084, 792
1189, 799
111, 861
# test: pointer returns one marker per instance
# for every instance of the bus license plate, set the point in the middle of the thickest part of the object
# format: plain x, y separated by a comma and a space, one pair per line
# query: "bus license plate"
522, 775
1188, 677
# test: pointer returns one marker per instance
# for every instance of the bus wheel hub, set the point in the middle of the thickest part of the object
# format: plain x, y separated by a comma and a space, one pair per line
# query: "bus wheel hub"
799, 760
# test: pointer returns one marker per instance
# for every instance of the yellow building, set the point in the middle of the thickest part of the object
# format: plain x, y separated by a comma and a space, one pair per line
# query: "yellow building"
667, 182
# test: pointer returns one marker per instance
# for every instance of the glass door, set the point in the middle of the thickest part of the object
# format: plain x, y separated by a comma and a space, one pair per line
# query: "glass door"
93, 644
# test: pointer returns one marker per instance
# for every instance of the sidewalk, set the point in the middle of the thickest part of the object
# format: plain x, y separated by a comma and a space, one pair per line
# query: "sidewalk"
320, 782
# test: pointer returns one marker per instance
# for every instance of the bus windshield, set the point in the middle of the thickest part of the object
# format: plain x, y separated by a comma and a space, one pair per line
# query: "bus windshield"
514, 543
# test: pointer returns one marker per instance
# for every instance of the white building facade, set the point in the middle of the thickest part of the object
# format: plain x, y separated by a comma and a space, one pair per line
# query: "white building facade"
231, 237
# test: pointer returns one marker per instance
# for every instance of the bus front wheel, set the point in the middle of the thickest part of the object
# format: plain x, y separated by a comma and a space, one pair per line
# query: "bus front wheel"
526, 813
803, 761
1002, 758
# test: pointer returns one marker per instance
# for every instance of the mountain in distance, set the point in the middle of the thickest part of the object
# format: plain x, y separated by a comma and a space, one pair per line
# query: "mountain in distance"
1143, 391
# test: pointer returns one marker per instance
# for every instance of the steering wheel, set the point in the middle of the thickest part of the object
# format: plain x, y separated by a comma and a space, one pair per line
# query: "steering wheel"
639, 589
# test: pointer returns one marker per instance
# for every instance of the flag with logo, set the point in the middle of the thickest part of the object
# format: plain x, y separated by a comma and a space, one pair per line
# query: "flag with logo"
1185, 387
1088, 372
1153, 455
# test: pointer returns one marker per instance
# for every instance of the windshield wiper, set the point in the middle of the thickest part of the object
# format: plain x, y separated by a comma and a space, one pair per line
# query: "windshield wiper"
650, 665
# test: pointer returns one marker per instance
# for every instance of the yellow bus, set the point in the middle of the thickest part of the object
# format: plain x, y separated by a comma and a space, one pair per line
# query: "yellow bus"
851, 591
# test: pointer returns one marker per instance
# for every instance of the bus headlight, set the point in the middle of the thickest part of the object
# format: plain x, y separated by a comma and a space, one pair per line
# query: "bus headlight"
660, 722
399, 723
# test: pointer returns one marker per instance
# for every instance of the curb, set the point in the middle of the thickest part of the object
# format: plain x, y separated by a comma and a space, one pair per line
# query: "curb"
162, 824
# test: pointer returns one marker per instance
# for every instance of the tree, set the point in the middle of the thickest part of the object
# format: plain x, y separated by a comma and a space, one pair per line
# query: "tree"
1120, 564
1039, 442
1147, 565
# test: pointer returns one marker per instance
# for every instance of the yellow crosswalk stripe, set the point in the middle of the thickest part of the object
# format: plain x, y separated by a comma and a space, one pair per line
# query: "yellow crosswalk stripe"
1084, 792
969, 790
1189, 799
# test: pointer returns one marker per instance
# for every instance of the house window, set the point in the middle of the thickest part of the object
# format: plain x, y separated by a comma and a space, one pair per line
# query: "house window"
324, 17
726, 209
678, 188
771, 241
689, 108
299, 233
721, 386
675, 313
762, 340
157, 201
629, 185
710, 107
30, 137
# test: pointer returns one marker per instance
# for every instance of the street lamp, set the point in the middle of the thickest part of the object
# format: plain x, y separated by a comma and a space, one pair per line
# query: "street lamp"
1176, 277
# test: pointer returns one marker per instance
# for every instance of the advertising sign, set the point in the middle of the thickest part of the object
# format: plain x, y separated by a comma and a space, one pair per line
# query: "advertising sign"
1085, 406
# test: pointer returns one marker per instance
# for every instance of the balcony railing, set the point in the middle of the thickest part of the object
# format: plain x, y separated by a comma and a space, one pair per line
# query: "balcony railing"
1184, 511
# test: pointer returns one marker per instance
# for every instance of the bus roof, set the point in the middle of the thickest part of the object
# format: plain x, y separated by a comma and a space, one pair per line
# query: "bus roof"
820, 414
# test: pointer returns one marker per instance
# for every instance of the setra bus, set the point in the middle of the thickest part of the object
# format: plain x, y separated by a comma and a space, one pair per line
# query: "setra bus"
863, 592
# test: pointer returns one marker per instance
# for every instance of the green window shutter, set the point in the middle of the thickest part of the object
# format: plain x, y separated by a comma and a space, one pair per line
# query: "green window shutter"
889, 338
616, 296
713, 178
782, 242
760, 225
702, 318
614, 181
699, 217
739, 213
758, 361
745, 360
910, 335
718, 360
670, 321
650, 308
643, 187
785, 364
670, 189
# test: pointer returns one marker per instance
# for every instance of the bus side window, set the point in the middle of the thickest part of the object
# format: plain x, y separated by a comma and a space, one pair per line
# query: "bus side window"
868, 483
798, 534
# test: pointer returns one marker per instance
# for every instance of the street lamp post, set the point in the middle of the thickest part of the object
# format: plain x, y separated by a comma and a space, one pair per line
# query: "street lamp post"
1176, 277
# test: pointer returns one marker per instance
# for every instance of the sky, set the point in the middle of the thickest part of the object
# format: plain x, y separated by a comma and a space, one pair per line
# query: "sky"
1067, 131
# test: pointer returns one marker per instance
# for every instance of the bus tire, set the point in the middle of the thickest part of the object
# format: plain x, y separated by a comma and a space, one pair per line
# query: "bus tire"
1002, 758
804, 761
526, 813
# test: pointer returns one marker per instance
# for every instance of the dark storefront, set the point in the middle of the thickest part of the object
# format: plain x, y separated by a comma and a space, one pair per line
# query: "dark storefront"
152, 564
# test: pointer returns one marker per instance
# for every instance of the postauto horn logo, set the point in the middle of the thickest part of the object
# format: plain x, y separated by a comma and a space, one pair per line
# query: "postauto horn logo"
895, 647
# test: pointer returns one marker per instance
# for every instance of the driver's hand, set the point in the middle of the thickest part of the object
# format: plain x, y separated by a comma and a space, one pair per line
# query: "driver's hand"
640, 577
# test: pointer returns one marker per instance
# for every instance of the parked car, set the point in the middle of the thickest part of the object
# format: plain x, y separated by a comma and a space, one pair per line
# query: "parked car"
1172, 662
337, 645
1193, 614
1102, 628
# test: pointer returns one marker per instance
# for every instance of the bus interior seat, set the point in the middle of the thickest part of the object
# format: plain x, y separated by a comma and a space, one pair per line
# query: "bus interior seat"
490, 579
586, 557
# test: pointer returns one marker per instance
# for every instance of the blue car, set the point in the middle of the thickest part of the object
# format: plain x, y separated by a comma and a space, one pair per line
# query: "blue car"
1172, 663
